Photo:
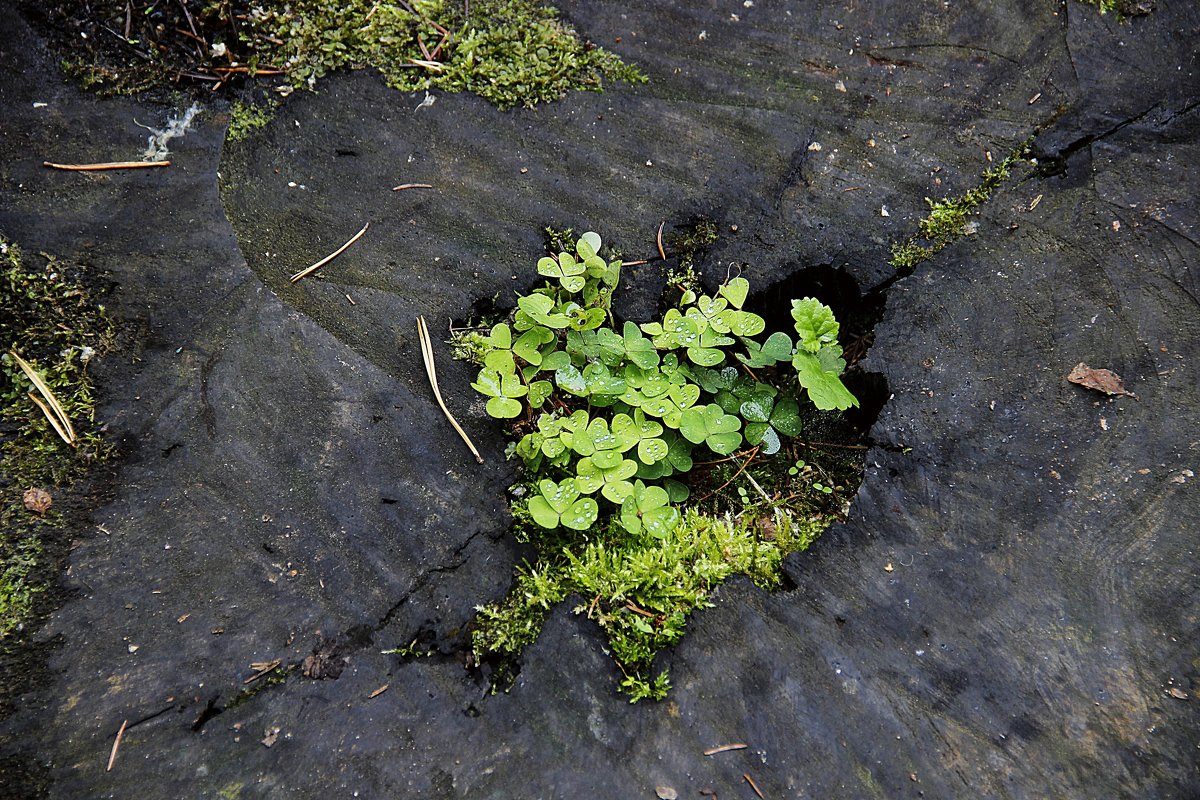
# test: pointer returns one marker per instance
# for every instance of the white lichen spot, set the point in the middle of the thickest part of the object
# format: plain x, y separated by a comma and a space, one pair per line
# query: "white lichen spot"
177, 126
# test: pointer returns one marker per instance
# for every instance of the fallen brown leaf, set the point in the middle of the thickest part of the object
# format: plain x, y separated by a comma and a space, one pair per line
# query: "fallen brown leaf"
38, 500
1102, 380
665, 793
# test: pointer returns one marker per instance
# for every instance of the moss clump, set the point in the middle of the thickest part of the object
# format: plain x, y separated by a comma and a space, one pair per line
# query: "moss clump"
48, 317
512, 52
640, 589
247, 117
947, 219
1122, 8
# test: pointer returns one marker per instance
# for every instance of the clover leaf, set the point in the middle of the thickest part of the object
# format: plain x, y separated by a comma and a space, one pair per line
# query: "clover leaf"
588, 245
584, 319
539, 392
570, 379
736, 291
503, 389
612, 482
710, 425
710, 309
500, 357
706, 353
540, 309
815, 323
637, 431
678, 458
648, 508
670, 406
600, 381
597, 441
527, 346
560, 503
777, 347
675, 331
743, 323
766, 419
565, 269
638, 349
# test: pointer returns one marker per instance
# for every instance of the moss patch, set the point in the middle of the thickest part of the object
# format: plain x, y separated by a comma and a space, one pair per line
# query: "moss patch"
49, 318
512, 52
247, 117
948, 218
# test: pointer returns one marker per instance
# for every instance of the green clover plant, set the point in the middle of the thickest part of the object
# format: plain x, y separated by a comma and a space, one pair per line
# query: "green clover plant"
609, 420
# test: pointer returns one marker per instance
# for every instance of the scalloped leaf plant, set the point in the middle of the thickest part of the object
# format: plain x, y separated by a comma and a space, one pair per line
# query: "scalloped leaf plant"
610, 422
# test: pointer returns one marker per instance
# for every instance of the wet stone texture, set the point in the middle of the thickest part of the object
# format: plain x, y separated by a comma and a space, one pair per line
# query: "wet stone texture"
290, 491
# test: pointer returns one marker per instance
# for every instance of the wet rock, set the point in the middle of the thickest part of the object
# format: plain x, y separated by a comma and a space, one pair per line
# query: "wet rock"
1019, 645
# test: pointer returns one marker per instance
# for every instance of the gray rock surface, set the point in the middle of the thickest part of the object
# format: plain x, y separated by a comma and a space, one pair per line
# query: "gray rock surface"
289, 482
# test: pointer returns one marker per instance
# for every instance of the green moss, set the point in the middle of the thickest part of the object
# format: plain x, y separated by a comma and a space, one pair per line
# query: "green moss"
245, 118
947, 219
47, 317
688, 245
640, 589
512, 52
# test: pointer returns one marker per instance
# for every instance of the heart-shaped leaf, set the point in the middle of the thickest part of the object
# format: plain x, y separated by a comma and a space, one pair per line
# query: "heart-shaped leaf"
527, 347
762, 434
555, 361
736, 290
712, 426
588, 245
540, 309
647, 507
743, 323
558, 503
570, 379
504, 407
758, 408
786, 417
600, 381
538, 392
685, 396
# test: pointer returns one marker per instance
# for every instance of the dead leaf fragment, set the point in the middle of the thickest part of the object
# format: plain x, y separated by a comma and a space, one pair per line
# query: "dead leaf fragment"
271, 737
1102, 380
888, 567
1177, 693
665, 793
38, 500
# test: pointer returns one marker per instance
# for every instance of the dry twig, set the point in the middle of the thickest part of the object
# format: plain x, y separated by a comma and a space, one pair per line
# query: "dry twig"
712, 751
431, 371
51, 408
112, 757
263, 667
753, 785
404, 186
106, 165
309, 270
661, 253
